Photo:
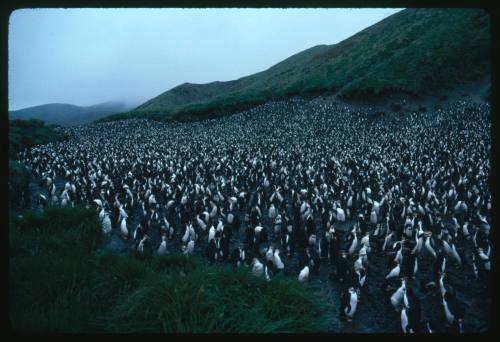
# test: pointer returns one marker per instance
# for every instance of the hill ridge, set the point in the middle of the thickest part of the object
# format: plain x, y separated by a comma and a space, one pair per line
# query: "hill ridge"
67, 114
415, 51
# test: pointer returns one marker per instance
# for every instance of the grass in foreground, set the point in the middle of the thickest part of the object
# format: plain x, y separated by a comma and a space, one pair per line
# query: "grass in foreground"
58, 283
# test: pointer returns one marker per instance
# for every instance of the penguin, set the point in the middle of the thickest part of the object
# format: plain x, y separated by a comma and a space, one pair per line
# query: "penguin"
211, 233
260, 235
201, 223
397, 298
287, 243
419, 240
42, 200
387, 240
350, 303
450, 317
399, 253
394, 272
257, 267
429, 329
340, 215
405, 326
354, 243
304, 275
365, 241
272, 213
373, 217
267, 273
452, 253
102, 213
98, 202
141, 244
189, 248
280, 266
186, 236
361, 278
106, 224
123, 228
474, 266
361, 260
428, 246
162, 249
485, 257
238, 257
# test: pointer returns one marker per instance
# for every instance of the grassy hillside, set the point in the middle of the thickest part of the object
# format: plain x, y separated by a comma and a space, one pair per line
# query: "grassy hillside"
67, 114
24, 134
415, 51
199, 93
28, 133
61, 281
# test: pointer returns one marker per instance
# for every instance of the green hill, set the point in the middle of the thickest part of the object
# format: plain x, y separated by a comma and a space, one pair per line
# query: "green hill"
28, 133
67, 114
415, 51
24, 134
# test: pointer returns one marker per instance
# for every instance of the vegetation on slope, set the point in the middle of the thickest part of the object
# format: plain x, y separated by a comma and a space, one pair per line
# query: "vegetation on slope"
415, 51
28, 133
67, 114
24, 134
61, 281
18, 184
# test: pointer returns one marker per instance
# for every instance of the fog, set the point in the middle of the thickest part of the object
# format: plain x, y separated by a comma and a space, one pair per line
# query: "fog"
88, 56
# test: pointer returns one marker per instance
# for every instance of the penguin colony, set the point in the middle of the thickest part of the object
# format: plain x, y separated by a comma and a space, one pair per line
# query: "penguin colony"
394, 209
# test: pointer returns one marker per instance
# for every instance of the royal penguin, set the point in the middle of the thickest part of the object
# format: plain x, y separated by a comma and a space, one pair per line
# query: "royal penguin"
123, 228
106, 224
162, 249
304, 275
350, 303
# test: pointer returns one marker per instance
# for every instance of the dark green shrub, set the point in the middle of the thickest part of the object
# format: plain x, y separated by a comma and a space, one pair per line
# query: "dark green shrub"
78, 223
18, 181
216, 299
27, 133
58, 283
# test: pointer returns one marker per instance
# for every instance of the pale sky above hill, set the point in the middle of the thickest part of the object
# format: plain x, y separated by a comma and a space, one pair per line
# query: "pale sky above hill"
88, 56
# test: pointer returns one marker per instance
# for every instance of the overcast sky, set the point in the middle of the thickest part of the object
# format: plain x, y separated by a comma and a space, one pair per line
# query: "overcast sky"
88, 56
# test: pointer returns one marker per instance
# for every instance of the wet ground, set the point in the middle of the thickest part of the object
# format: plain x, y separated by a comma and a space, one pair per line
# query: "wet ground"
375, 313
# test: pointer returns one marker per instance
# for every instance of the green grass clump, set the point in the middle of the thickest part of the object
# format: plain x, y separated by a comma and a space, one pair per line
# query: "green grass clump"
59, 282
51, 268
24, 134
28, 133
216, 299
18, 183
63, 227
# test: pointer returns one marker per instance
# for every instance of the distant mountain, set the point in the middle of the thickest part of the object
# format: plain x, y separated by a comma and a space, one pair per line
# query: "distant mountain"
415, 51
67, 114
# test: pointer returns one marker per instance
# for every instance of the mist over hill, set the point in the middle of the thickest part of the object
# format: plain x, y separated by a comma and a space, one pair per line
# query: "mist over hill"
68, 114
416, 51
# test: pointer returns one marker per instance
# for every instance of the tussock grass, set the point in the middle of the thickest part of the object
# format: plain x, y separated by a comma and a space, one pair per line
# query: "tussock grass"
58, 283
27, 133
216, 299
78, 224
